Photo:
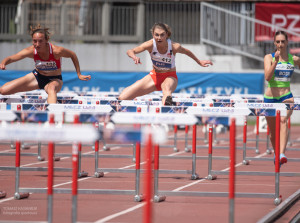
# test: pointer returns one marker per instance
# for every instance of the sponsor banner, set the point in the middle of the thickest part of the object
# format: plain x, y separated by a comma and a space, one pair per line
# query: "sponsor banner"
139, 118
191, 83
50, 134
285, 15
232, 112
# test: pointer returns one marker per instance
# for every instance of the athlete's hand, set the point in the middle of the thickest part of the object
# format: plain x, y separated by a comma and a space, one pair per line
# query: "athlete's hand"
205, 63
137, 60
2, 66
277, 53
84, 77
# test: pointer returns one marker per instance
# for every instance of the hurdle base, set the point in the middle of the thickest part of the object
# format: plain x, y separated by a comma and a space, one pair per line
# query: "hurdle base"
186, 149
19, 196
40, 158
105, 148
175, 149
211, 177
139, 198
246, 162
23, 147
82, 174
269, 151
2, 194
257, 151
99, 174
56, 158
278, 200
159, 198
195, 177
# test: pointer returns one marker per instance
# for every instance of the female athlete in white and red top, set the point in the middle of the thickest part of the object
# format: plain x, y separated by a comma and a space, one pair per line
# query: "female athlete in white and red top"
163, 76
47, 72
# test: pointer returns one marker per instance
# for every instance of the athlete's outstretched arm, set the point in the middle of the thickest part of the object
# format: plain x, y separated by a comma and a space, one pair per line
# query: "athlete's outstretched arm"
27, 52
141, 48
63, 52
179, 49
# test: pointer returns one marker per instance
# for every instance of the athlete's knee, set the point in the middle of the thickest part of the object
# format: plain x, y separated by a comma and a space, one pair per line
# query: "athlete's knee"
3, 90
122, 96
167, 91
283, 121
52, 89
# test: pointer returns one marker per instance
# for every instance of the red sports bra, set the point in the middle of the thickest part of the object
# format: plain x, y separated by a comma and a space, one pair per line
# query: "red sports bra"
51, 64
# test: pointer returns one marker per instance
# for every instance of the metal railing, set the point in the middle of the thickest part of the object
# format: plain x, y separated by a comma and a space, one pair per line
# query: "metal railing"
104, 20
228, 27
231, 32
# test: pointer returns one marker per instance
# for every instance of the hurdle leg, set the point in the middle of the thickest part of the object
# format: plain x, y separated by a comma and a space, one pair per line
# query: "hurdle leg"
210, 141
215, 134
157, 198
245, 161
40, 158
105, 148
80, 173
186, 149
257, 135
194, 175
138, 197
50, 181
205, 134
74, 181
278, 198
12, 145
134, 153
232, 171
269, 151
97, 173
24, 146
79, 145
147, 216
175, 138
17, 194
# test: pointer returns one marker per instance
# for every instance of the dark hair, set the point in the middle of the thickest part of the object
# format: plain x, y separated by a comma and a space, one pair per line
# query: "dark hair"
280, 32
39, 29
163, 26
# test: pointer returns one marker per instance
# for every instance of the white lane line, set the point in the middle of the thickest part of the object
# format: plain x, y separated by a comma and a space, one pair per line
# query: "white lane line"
57, 185
226, 169
110, 217
9, 150
6, 199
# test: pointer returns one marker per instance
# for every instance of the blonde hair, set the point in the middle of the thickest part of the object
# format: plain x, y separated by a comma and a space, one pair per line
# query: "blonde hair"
163, 26
39, 29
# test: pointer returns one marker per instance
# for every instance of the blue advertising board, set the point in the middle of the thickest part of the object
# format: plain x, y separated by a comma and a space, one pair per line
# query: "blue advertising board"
194, 83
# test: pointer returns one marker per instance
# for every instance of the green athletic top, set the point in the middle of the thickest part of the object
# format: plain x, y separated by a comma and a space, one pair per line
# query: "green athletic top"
283, 73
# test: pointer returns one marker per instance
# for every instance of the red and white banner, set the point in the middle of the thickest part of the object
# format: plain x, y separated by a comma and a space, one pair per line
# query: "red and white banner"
284, 15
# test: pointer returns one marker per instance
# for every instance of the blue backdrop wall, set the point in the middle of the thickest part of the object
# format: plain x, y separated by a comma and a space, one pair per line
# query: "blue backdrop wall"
197, 83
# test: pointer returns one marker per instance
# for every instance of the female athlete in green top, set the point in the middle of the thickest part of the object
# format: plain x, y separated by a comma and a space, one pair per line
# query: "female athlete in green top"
279, 67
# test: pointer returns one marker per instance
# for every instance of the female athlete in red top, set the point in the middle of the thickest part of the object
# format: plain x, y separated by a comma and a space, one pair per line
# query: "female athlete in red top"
163, 76
47, 72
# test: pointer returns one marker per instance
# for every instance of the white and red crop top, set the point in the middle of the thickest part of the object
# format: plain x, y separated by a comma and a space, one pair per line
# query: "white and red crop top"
51, 64
163, 61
